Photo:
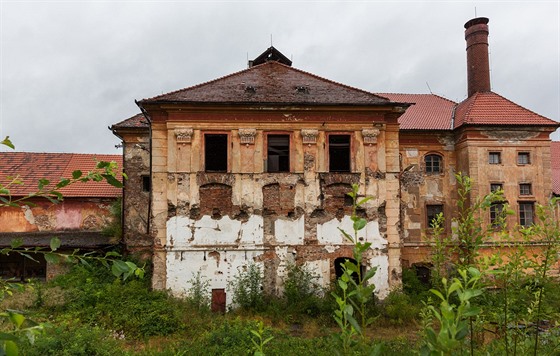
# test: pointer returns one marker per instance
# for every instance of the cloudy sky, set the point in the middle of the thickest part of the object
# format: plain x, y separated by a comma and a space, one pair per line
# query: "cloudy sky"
69, 69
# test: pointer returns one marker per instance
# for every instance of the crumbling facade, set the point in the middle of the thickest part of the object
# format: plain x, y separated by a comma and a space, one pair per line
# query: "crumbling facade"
254, 167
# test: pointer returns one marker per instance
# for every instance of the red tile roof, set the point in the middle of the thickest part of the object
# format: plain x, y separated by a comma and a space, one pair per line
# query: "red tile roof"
272, 83
555, 166
490, 108
429, 112
52, 166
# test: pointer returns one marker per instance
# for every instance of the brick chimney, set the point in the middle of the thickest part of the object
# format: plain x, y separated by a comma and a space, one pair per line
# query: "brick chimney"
478, 67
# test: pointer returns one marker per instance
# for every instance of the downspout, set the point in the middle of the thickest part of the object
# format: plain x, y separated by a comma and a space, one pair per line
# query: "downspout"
145, 113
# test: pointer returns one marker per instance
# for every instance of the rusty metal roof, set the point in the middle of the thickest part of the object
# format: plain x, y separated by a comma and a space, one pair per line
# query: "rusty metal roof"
30, 167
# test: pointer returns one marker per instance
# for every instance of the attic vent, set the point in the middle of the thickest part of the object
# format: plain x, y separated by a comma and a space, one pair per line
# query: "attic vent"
250, 89
302, 89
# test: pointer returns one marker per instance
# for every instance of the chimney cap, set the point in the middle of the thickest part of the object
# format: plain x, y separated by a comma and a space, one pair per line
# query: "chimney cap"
477, 21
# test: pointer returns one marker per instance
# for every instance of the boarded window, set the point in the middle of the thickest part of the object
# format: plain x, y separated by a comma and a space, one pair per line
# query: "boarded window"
339, 153
215, 152
215, 200
278, 153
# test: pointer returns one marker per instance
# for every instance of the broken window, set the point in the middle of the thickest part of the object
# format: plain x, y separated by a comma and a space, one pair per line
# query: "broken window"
339, 153
525, 189
526, 213
433, 164
215, 152
22, 268
278, 153
494, 157
523, 158
432, 211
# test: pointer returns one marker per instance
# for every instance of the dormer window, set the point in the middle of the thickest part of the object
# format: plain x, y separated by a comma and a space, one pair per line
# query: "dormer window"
302, 89
250, 89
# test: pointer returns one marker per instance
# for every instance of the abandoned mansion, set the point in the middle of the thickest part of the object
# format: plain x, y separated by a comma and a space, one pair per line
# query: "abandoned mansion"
254, 167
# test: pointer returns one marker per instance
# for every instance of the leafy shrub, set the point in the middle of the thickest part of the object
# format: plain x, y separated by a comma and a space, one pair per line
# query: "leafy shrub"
96, 297
199, 293
302, 293
73, 340
399, 308
247, 288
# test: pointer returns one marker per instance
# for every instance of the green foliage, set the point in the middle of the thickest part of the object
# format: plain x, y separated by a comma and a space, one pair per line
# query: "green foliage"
73, 340
259, 339
453, 314
247, 288
199, 292
355, 292
96, 297
302, 293
399, 308
114, 228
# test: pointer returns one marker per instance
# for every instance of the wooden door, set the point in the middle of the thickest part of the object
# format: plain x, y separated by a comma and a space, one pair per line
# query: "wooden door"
219, 300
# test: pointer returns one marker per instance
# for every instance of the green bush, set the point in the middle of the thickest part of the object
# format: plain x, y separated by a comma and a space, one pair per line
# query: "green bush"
247, 288
96, 297
73, 340
399, 308
302, 294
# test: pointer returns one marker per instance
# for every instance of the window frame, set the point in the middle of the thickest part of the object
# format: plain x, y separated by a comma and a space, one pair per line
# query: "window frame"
427, 215
228, 150
523, 154
494, 153
525, 185
440, 163
350, 150
290, 150
495, 211
500, 187
522, 213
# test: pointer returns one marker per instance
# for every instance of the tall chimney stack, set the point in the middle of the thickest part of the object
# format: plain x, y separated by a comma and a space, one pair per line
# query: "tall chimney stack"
478, 67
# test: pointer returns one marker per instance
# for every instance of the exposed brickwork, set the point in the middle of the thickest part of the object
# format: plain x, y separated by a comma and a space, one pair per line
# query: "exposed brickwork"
215, 200
336, 201
278, 199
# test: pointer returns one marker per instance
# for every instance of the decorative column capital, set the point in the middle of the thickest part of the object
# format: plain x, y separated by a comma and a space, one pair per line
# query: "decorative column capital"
184, 135
309, 136
370, 136
247, 136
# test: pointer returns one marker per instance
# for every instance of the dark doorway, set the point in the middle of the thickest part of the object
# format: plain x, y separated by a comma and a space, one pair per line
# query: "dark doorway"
219, 300
338, 270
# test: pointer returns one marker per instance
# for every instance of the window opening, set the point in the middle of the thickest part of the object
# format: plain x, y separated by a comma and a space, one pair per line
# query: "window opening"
433, 164
496, 214
339, 153
146, 184
215, 152
494, 187
278, 156
523, 158
432, 212
495, 158
526, 213
525, 189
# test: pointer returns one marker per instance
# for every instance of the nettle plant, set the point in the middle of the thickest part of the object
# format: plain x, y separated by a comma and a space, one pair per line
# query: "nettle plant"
355, 289
21, 326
